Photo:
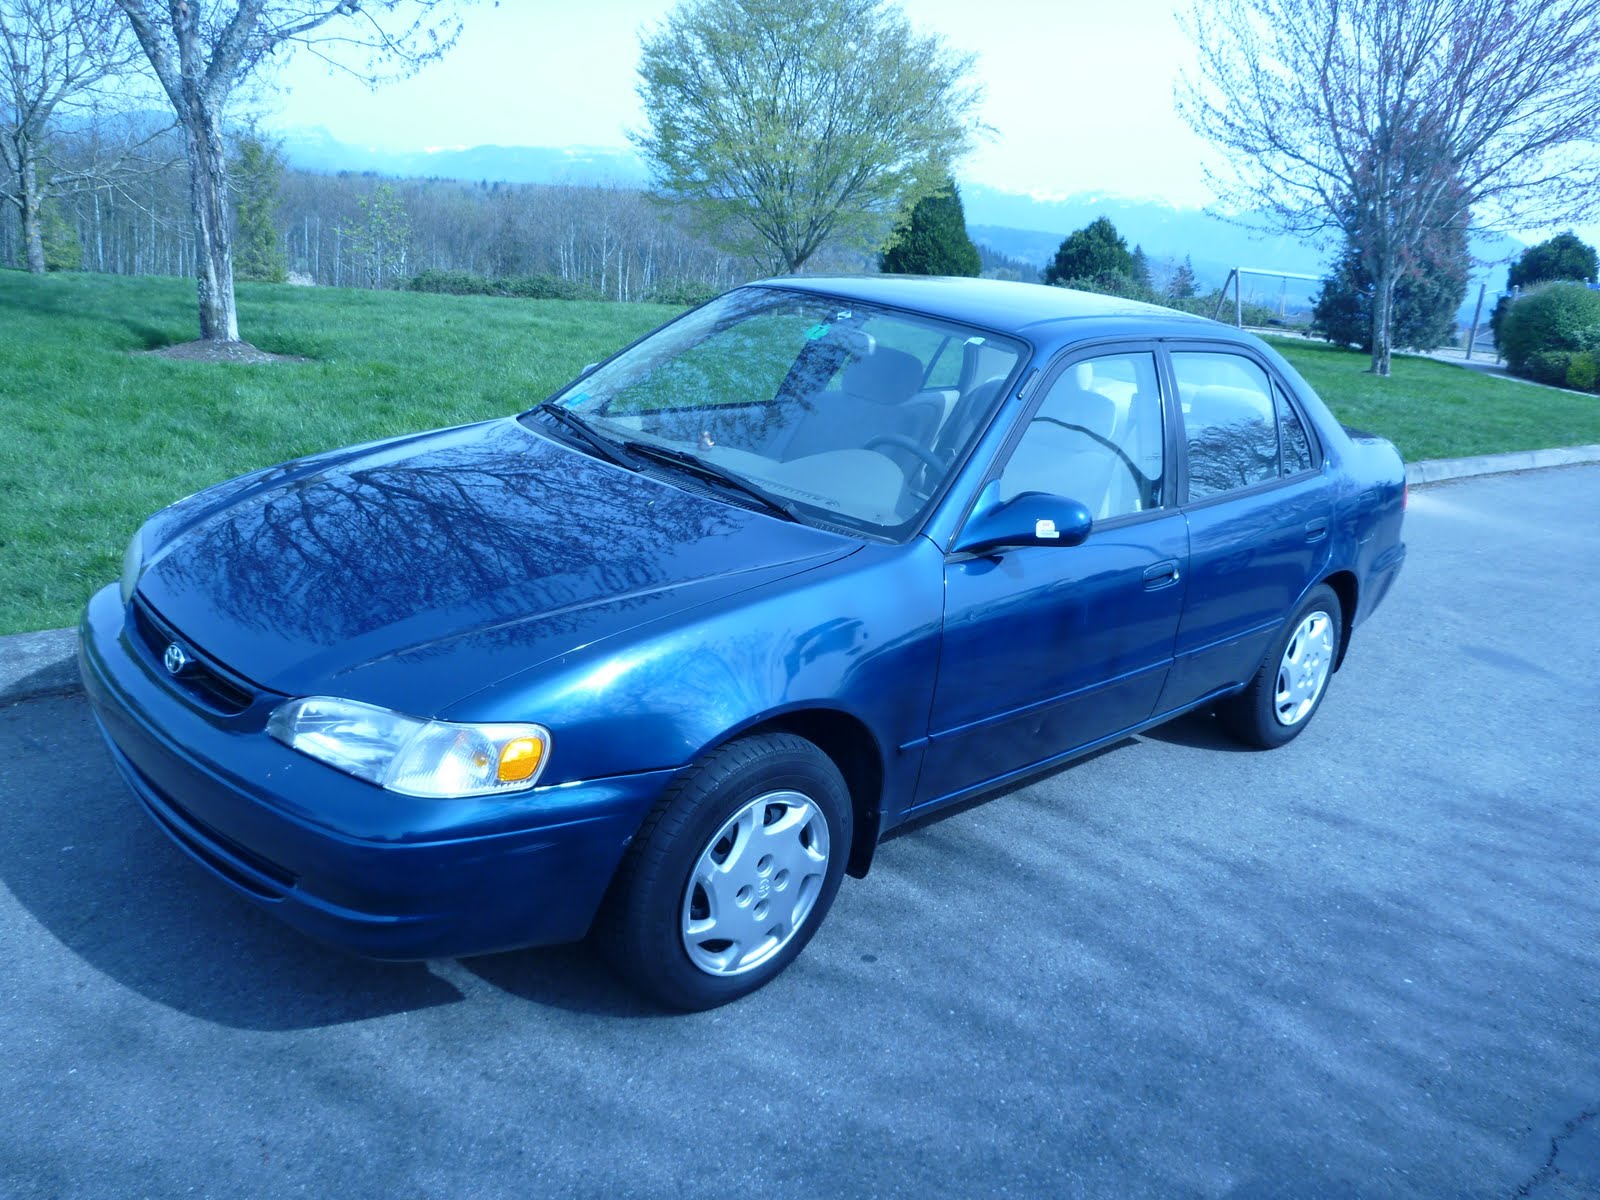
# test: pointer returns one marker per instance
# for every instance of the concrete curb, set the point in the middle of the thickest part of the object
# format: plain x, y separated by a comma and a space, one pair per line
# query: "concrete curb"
46, 663
1440, 469
38, 664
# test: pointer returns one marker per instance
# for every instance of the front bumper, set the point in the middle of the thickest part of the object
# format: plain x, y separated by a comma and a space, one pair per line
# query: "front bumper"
341, 860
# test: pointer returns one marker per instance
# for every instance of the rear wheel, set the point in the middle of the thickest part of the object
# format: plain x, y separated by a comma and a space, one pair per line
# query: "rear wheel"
731, 874
1288, 688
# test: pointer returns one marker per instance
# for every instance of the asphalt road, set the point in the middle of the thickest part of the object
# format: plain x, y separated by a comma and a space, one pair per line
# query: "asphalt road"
1363, 965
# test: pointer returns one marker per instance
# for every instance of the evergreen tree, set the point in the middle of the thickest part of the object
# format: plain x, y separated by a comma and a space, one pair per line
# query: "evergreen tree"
1564, 256
933, 240
1141, 271
1426, 299
1094, 254
1183, 285
257, 251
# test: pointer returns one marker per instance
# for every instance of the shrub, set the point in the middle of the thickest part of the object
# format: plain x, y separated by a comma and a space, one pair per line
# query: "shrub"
451, 283
1111, 283
544, 287
1219, 305
522, 287
1548, 367
690, 295
1555, 317
1583, 372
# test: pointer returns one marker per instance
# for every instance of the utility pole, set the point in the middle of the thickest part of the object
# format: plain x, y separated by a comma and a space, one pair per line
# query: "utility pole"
1477, 312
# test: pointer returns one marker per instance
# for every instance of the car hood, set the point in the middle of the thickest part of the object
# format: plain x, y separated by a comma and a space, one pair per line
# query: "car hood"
414, 572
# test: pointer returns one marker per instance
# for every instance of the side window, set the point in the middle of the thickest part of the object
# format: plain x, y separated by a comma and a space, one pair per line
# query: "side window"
1229, 421
1095, 438
1296, 447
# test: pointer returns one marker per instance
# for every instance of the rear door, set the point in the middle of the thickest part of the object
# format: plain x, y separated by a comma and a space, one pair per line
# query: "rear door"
1259, 509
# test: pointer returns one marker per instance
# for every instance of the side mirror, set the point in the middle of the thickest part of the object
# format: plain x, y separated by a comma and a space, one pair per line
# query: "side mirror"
1030, 519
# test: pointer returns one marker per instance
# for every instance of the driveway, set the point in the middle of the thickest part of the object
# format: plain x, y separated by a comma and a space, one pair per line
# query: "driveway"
1363, 965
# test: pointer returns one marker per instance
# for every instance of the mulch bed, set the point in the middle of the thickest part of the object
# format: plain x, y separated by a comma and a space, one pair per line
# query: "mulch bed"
233, 352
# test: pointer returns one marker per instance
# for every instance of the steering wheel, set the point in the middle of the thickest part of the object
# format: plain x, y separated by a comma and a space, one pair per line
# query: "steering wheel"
900, 442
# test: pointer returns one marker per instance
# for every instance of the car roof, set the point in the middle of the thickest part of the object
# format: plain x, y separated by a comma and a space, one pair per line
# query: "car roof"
1018, 308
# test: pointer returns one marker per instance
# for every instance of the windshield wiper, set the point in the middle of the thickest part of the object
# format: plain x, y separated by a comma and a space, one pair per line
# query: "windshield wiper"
710, 470
591, 437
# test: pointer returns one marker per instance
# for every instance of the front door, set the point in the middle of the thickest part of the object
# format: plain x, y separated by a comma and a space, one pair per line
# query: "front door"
1048, 649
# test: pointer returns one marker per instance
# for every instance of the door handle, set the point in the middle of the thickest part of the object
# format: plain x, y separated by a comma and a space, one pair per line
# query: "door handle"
1163, 574
1317, 530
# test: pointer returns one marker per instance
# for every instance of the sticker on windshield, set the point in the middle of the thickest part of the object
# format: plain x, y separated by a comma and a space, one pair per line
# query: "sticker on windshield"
819, 330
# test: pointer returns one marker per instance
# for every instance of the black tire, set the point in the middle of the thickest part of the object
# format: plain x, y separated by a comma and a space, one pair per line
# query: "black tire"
644, 929
1266, 717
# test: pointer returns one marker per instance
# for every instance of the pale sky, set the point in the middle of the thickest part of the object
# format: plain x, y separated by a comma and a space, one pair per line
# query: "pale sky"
1079, 93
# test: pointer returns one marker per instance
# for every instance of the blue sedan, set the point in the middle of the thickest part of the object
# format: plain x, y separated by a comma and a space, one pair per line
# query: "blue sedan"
666, 656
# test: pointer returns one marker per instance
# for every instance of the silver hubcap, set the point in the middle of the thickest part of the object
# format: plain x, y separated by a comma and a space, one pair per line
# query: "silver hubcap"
1304, 670
755, 883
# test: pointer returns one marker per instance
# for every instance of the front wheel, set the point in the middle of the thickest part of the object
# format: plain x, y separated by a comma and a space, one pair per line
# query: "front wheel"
731, 874
1288, 688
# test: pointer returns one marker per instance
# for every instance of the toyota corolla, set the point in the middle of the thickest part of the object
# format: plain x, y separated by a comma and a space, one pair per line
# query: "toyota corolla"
661, 659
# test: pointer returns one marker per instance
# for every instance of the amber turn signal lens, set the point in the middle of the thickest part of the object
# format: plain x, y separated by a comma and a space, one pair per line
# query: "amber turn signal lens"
519, 759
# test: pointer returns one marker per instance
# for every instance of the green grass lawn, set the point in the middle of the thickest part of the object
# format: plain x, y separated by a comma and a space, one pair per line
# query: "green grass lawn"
97, 435
1433, 409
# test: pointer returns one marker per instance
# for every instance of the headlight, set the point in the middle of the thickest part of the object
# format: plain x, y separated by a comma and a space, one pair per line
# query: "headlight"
132, 565
440, 759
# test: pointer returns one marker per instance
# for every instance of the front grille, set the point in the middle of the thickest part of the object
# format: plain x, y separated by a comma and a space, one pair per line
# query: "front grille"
202, 678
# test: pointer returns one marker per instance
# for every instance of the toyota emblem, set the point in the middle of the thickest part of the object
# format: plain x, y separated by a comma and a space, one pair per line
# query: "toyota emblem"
175, 659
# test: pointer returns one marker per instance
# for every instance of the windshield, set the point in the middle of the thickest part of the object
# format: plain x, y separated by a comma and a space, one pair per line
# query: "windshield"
852, 415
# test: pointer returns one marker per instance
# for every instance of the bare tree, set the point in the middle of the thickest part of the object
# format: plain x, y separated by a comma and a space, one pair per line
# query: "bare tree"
55, 56
202, 50
1391, 120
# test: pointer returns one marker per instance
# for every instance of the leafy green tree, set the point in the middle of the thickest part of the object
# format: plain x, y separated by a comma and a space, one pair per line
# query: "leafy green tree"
787, 124
1096, 251
380, 242
1426, 298
254, 180
62, 250
933, 241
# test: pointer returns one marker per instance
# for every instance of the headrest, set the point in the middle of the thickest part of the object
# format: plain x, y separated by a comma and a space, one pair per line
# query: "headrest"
885, 376
1091, 410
